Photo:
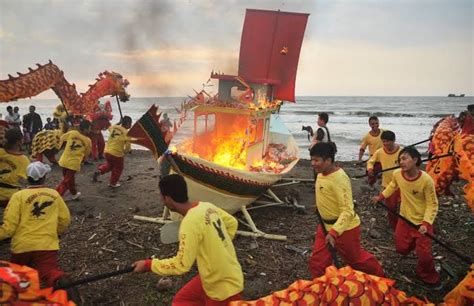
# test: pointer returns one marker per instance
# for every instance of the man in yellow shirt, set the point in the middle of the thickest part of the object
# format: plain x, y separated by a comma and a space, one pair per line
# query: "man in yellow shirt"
334, 203
33, 219
387, 156
117, 145
372, 140
205, 236
420, 206
12, 165
77, 149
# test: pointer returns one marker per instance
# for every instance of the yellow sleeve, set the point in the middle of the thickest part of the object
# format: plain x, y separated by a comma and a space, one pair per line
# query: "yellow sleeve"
344, 198
11, 218
127, 144
431, 201
88, 147
364, 143
230, 222
64, 218
189, 239
390, 189
372, 160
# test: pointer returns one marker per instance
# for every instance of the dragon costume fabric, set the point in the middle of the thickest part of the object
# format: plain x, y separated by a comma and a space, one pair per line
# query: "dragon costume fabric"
86, 105
343, 286
49, 76
448, 138
20, 285
463, 293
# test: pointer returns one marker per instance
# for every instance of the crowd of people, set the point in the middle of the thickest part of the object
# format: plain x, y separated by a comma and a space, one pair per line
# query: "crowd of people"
34, 216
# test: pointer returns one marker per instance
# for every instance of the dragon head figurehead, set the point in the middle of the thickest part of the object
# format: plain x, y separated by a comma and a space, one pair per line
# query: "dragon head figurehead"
112, 83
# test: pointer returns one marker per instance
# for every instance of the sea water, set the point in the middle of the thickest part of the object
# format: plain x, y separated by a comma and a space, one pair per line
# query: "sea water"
410, 118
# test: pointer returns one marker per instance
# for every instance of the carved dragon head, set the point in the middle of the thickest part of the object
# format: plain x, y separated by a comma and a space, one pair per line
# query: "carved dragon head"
113, 84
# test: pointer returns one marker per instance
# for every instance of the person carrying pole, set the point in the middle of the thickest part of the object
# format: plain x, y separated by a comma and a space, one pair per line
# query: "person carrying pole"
387, 156
419, 204
205, 236
335, 205
117, 145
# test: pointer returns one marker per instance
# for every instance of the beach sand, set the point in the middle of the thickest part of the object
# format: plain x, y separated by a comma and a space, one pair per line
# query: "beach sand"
104, 237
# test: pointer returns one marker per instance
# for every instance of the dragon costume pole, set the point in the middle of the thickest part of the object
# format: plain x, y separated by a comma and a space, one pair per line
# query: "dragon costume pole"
419, 142
64, 105
120, 109
94, 278
412, 145
463, 257
332, 249
396, 167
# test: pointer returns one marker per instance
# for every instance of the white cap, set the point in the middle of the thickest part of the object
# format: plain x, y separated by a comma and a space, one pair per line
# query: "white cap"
37, 170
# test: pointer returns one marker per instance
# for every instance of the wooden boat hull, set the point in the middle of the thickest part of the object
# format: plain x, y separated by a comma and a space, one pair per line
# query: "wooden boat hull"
228, 188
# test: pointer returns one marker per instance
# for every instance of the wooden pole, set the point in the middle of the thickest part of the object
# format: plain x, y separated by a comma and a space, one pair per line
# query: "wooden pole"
94, 278
396, 167
463, 257
120, 109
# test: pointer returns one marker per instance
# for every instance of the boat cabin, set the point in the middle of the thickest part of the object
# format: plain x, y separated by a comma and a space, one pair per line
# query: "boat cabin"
241, 119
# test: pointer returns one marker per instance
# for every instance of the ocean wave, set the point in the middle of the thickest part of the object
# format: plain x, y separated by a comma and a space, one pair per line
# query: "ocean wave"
308, 112
368, 114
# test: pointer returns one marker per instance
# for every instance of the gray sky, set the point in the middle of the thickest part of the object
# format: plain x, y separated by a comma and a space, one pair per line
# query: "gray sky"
166, 48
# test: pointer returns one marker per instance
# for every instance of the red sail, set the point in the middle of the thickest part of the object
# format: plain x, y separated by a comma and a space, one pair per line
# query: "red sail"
270, 49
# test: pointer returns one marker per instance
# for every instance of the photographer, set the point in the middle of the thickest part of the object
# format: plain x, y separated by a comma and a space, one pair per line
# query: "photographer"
322, 133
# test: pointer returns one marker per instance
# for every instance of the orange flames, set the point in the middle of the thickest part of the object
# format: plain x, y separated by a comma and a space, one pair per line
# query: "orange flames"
225, 141
226, 148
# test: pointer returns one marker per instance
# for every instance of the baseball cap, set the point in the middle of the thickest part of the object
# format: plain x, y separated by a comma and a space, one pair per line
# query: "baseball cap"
37, 170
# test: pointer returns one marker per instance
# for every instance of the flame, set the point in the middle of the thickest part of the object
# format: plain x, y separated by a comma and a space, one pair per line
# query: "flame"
225, 140
226, 148
231, 152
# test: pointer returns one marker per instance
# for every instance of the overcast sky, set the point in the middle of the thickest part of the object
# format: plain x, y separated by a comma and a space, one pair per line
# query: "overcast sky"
166, 48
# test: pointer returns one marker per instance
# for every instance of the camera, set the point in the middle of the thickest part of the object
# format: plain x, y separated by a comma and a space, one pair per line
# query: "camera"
308, 129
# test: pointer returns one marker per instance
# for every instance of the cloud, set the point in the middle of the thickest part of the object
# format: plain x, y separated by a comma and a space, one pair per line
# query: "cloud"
350, 47
348, 68
190, 54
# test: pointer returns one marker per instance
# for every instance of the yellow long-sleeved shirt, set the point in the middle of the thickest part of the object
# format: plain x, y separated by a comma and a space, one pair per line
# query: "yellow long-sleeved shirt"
387, 160
419, 202
205, 236
33, 218
373, 142
78, 147
118, 143
334, 201
12, 170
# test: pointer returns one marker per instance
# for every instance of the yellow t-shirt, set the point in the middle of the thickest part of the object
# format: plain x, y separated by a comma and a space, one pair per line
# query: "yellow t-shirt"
118, 143
419, 201
334, 201
33, 218
205, 236
78, 147
387, 160
373, 142
12, 169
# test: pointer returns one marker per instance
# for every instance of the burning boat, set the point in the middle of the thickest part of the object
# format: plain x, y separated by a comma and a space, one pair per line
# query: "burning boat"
237, 146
